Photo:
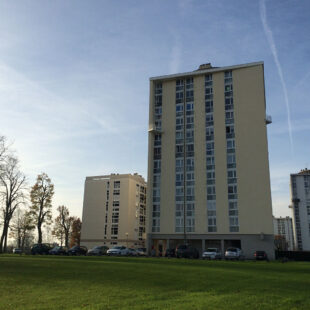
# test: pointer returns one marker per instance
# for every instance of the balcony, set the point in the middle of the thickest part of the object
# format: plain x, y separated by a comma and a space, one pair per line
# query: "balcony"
268, 119
154, 130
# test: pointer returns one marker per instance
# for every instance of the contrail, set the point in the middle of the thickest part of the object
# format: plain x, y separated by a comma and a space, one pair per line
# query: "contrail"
273, 48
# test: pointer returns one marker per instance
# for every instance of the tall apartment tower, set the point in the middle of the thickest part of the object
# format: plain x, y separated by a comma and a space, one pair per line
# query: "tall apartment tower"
300, 193
283, 226
208, 151
114, 211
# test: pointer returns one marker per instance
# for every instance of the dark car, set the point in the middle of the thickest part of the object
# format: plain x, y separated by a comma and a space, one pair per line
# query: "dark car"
40, 248
98, 250
59, 250
186, 251
78, 250
260, 255
170, 253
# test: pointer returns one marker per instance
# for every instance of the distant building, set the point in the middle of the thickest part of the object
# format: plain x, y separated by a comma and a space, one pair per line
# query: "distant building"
114, 210
208, 169
283, 227
300, 193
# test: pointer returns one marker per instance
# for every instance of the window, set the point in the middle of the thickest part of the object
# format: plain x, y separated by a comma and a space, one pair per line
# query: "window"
117, 184
189, 107
209, 131
179, 135
115, 203
231, 159
114, 229
230, 144
179, 148
116, 192
228, 74
231, 174
179, 163
179, 107
208, 77
232, 189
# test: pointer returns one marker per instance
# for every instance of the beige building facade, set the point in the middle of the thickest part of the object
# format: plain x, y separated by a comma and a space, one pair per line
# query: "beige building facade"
114, 211
208, 169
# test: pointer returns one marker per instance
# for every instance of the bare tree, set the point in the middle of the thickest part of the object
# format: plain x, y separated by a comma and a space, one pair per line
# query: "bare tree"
41, 198
76, 232
63, 225
22, 227
12, 194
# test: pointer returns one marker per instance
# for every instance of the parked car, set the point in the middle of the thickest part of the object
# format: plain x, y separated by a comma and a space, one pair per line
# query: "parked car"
59, 250
141, 251
78, 250
170, 253
17, 251
98, 250
234, 254
132, 252
118, 250
186, 251
40, 248
212, 253
260, 255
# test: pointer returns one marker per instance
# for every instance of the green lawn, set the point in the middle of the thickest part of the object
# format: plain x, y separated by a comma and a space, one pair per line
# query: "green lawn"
44, 282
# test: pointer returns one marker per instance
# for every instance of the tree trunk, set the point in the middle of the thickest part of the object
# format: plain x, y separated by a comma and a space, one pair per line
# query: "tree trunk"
67, 238
5, 241
3, 237
39, 233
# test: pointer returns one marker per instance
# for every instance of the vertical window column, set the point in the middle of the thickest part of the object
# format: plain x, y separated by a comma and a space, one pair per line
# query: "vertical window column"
184, 156
230, 152
157, 160
210, 159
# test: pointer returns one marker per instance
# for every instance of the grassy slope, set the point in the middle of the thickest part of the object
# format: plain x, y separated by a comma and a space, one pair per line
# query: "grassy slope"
136, 283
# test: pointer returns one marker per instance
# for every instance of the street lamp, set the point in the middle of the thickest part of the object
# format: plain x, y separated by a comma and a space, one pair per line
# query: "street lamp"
126, 239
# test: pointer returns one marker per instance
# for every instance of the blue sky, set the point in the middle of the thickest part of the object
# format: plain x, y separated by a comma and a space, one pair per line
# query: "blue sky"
74, 84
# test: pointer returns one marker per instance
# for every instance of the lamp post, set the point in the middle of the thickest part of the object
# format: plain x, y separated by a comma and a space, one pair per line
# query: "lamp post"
126, 239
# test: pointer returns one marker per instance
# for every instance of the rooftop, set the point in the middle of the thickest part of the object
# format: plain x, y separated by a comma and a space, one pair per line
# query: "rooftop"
205, 68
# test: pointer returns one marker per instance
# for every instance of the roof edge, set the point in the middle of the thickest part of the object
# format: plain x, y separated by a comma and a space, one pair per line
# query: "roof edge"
199, 72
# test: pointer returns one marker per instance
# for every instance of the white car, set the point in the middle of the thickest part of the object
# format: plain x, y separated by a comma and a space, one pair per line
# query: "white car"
234, 253
118, 250
212, 253
133, 252
141, 251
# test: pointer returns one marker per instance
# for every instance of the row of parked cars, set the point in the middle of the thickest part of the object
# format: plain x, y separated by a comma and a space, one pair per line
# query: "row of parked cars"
231, 253
45, 249
181, 251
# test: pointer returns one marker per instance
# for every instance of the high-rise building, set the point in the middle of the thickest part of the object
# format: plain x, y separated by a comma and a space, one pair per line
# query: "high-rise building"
208, 170
300, 193
114, 210
283, 227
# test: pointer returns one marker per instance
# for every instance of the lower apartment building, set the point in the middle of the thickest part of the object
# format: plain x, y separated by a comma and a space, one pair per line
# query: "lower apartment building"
114, 211
283, 228
300, 193
208, 168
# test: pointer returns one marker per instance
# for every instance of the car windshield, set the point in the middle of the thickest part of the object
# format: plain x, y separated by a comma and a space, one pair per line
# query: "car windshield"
232, 249
75, 247
117, 247
211, 250
56, 248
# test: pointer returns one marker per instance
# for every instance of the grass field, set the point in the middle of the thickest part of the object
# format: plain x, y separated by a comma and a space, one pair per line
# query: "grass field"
44, 282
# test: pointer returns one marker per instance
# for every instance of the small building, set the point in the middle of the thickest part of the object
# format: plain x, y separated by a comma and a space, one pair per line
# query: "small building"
300, 193
114, 211
283, 227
